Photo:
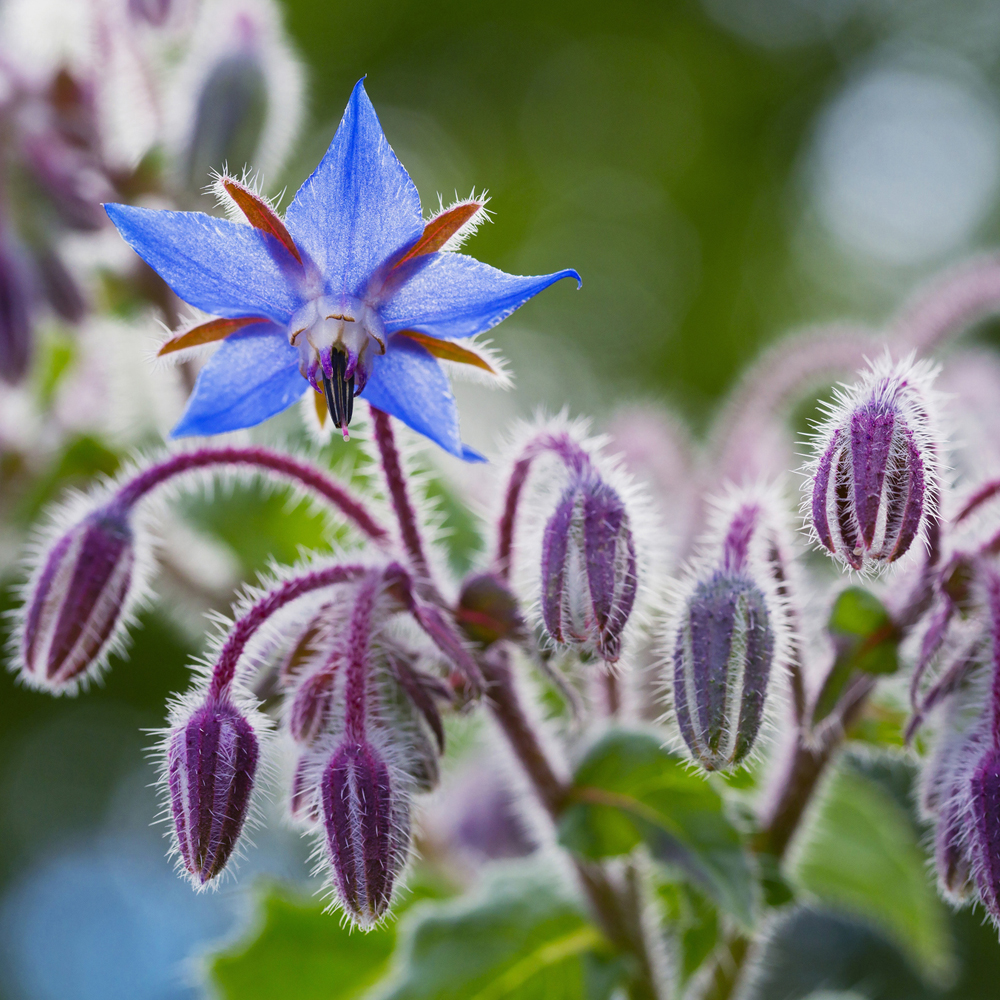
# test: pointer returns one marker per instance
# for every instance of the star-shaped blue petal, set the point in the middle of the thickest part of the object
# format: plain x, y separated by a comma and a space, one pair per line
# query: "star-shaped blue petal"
349, 294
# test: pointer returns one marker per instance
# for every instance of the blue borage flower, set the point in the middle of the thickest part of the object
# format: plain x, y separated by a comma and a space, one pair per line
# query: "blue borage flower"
352, 291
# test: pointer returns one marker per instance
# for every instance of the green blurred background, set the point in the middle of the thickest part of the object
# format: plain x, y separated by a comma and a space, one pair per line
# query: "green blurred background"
718, 172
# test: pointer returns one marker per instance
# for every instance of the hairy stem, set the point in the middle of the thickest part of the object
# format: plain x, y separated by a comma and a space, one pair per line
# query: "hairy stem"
246, 627
264, 460
395, 479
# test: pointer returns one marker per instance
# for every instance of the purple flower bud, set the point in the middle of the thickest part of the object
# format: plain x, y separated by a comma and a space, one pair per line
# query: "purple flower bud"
15, 315
985, 838
366, 822
952, 858
588, 568
875, 479
230, 118
723, 650
211, 764
78, 600
303, 800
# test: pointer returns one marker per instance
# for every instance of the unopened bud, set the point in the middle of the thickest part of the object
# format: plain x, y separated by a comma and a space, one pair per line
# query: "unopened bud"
488, 611
951, 847
875, 478
230, 118
15, 315
723, 650
78, 600
985, 839
366, 822
588, 568
211, 765
312, 703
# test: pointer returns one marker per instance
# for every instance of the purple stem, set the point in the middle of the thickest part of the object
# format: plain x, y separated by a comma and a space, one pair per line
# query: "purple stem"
392, 468
993, 598
737, 542
574, 458
358, 635
303, 474
985, 492
245, 627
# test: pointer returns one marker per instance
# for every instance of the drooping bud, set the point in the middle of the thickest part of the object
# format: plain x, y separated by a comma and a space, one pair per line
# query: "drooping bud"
985, 838
230, 117
875, 479
211, 765
952, 858
15, 315
367, 829
588, 567
78, 600
313, 701
724, 644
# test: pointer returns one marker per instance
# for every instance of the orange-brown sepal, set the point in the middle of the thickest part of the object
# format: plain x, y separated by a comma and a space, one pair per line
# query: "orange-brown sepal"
448, 350
260, 215
207, 333
441, 228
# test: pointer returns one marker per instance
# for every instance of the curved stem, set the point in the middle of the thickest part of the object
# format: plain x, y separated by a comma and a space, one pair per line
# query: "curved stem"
302, 474
244, 628
574, 458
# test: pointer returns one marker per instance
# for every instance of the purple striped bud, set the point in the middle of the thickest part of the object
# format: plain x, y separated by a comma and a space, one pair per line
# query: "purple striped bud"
312, 702
985, 837
588, 568
366, 824
723, 651
211, 765
875, 479
78, 600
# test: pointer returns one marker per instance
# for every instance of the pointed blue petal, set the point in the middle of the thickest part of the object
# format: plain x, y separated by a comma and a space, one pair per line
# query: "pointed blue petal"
458, 296
252, 376
222, 267
408, 383
359, 205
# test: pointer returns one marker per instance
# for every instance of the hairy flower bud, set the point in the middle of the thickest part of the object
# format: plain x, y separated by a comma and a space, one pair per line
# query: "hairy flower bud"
211, 765
78, 599
723, 650
488, 611
230, 117
15, 315
985, 839
312, 702
875, 478
588, 567
366, 824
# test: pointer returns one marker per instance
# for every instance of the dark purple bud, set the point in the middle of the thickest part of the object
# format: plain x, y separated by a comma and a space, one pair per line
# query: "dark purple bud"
15, 315
876, 474
78, 600
211, 764
723, 651
588, 568
366, 821
488, 611
985, 838
230, 118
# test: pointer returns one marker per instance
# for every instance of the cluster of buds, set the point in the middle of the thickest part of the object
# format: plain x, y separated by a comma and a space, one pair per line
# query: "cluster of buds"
728, 631
876, 478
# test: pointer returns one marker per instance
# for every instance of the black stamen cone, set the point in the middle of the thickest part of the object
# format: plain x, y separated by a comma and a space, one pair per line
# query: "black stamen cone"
339, 392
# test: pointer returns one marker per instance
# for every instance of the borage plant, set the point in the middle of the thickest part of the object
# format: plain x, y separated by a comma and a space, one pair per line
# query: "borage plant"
692, 701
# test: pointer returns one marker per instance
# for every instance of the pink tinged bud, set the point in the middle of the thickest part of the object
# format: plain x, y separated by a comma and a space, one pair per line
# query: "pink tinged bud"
588, 568
76, 605
723, 652
211, 764
364, 832
985, 789
304, 798
873, 481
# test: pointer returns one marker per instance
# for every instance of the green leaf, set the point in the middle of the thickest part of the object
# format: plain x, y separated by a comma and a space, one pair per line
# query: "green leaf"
691, 919
865, 638
630, 790
300, 952
522, 936
861, 853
